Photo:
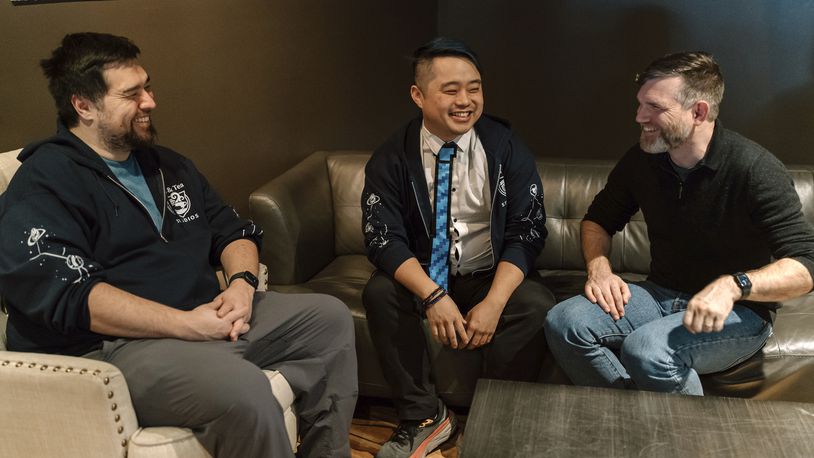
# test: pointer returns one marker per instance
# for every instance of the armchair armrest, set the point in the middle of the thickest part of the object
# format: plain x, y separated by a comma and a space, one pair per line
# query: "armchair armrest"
295, 211
82, 406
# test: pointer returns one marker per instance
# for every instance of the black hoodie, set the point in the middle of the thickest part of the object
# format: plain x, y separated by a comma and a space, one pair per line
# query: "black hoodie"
396, 211
67, 223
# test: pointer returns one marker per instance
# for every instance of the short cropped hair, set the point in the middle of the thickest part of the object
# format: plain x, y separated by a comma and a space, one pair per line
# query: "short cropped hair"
701, 75
76, 68
441, 47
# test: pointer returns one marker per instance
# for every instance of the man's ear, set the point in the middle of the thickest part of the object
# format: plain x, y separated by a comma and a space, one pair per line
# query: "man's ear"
417, 96
84, 107
700, 111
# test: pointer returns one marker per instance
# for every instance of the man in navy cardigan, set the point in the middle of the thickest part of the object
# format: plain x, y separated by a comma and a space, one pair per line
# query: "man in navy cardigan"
494, 299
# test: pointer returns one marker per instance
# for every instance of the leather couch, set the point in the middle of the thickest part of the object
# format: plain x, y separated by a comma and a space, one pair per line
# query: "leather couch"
313, 242
54, 405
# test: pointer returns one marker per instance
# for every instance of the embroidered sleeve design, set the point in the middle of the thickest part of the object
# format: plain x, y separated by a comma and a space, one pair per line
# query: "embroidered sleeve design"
375, 230
40, 250
535, 215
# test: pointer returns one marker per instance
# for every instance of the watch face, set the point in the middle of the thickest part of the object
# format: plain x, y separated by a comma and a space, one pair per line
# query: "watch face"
743, 283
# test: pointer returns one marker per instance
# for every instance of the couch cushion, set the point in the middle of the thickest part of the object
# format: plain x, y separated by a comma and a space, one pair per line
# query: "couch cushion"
804, 185
565, 284
569, 187
165, 442
347, 175
344, 278
783, 369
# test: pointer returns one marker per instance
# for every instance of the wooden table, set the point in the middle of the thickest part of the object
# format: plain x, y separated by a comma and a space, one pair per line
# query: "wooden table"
515, 419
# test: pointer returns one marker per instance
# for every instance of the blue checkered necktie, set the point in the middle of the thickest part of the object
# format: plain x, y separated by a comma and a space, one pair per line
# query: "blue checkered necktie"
439, 260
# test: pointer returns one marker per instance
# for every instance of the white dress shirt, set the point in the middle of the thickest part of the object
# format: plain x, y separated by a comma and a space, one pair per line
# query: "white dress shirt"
470, 202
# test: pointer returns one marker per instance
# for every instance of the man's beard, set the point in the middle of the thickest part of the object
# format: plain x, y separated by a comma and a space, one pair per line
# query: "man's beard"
129, 140
670, 137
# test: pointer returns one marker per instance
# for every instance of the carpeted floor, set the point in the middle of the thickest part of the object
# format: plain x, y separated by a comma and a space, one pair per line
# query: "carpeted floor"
374, 422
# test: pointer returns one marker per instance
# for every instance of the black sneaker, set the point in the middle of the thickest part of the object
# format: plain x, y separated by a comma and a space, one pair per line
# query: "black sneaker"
417, 438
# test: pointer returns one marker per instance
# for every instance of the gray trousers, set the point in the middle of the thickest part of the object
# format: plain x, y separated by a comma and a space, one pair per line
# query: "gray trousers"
218, 390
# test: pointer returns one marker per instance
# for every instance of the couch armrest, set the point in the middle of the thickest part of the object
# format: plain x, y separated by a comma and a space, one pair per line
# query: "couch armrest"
63, 406
295, 211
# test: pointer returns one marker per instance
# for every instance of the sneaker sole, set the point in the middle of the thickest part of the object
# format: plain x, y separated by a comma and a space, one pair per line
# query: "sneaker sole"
438, 437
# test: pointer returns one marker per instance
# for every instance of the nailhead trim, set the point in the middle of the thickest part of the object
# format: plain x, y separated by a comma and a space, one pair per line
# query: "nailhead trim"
68, 370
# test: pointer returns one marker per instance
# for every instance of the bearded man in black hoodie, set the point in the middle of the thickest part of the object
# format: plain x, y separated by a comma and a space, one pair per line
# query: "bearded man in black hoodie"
108, 250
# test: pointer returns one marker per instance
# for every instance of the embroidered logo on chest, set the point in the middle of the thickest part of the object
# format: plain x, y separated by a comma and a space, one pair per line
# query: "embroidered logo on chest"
179, 203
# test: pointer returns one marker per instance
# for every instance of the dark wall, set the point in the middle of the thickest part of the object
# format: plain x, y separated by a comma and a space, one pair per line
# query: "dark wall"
562, 70
245, 88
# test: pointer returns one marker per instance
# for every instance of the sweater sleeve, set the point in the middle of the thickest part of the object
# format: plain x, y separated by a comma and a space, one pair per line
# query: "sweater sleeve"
615, 204
525, 220
383, 223
775, 208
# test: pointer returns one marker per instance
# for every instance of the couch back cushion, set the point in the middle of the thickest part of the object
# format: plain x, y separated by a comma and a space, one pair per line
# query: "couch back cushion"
346, 170
569, 186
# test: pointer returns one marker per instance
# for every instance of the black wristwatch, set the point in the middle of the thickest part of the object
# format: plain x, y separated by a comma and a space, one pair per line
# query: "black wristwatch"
249, 277
743, 283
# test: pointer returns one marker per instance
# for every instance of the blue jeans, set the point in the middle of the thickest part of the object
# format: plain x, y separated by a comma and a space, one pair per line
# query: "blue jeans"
655, 351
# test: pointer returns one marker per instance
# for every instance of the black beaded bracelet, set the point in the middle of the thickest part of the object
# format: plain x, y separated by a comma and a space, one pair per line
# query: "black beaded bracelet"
436, 299
431, 296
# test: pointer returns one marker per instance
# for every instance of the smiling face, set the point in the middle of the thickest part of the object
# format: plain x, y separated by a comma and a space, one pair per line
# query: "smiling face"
450, 94
123, 113
665, 123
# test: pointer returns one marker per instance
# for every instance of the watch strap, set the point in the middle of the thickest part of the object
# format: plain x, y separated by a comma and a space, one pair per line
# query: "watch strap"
249, 277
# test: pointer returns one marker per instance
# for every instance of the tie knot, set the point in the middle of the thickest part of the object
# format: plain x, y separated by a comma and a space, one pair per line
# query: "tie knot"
447, 151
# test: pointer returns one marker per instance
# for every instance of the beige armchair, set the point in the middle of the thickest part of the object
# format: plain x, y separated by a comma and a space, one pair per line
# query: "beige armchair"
65, 406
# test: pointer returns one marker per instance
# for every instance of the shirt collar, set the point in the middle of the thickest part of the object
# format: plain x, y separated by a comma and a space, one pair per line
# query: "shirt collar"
712, 160
713, 157
433, 143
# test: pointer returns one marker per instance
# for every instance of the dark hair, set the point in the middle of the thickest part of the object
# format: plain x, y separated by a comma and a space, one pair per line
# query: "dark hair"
76, 68
442, 47
701, 75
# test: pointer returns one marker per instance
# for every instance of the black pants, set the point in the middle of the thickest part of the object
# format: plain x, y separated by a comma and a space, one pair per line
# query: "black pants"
395, 320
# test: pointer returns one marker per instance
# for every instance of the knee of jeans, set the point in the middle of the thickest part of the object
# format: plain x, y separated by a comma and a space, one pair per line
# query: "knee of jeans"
641, 353
564, 323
